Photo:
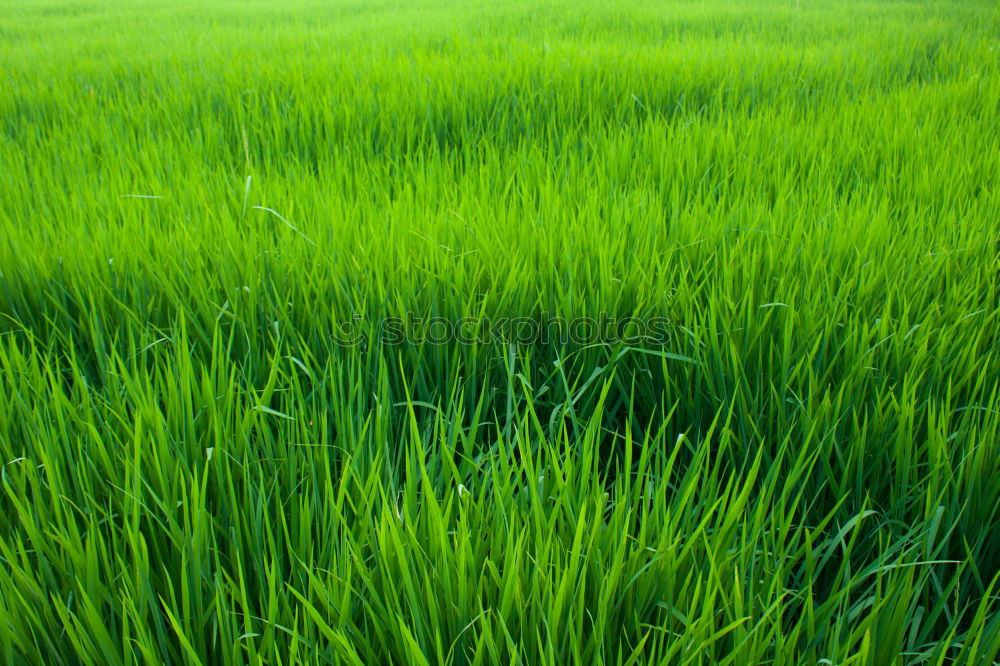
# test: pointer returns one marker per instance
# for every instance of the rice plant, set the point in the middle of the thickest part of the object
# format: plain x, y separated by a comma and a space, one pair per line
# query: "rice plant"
456, 332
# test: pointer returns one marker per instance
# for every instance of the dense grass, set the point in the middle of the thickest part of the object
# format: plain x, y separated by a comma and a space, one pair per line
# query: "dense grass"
806, 470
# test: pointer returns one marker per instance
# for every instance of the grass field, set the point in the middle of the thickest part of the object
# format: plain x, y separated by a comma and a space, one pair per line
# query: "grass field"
212, 213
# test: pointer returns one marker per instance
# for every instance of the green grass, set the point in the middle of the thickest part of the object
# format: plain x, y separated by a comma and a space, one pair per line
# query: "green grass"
805, 470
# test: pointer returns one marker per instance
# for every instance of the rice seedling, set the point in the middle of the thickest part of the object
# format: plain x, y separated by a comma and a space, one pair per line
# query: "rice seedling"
483, 333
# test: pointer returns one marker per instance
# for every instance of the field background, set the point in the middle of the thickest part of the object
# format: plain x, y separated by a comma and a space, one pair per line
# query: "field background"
194, 196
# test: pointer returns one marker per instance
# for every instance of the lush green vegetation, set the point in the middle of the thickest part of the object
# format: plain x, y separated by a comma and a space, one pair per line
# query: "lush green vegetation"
197, 198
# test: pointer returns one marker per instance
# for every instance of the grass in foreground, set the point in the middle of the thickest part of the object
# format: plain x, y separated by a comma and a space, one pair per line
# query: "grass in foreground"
195, 199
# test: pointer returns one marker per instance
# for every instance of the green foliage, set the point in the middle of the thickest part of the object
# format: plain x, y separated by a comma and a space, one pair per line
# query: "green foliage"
197, 197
